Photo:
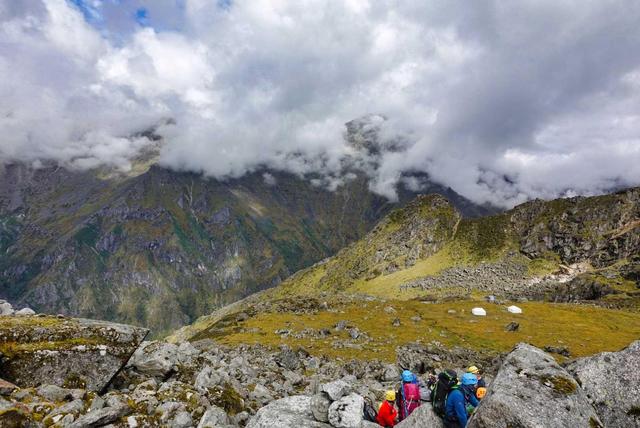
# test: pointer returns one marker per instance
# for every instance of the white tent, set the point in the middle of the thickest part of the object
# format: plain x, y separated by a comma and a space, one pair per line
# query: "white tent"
479, 312
514, 310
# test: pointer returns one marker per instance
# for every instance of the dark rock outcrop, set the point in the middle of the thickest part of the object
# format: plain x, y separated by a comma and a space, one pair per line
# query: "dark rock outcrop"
532, 390
583, 287
611, 381
6, 388
13, 417
632, 270
74, 353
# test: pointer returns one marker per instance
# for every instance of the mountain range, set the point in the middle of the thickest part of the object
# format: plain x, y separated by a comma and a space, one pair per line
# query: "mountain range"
378, 288
159, 248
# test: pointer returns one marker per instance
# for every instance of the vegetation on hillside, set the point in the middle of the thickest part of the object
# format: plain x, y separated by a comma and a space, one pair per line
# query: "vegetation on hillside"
163, 248
384, 325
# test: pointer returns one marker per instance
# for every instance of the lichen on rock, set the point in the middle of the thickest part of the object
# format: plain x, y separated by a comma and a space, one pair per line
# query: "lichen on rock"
531, 389
64, 351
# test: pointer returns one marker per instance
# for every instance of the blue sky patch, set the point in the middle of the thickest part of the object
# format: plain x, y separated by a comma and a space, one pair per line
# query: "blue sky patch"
142, 16
225, 4
91, 14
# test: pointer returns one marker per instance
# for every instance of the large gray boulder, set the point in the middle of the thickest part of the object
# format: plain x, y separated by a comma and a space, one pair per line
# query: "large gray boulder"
347, 412
320, 406
261, 394
67, 352
214, 417
75, 407
422, 417
531, 390
294, 411
182, 419
25, 312
155, 358
5, 308
391, 373
336, 389
101, 417
55, 393
288, 358
611, 381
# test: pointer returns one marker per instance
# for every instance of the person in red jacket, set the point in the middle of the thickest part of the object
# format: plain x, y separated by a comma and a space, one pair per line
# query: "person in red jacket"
388, 414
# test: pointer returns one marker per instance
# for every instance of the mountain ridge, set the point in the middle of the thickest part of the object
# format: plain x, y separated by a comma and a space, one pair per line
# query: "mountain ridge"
538, 235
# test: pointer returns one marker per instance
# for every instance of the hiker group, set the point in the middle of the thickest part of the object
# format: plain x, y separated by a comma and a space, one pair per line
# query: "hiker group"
453, 398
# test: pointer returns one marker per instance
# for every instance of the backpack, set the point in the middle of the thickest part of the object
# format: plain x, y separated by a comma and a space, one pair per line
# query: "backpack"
446, 381
370, 413
410, 393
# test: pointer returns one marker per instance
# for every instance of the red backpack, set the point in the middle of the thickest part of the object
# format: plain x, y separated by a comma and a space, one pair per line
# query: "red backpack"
409, 399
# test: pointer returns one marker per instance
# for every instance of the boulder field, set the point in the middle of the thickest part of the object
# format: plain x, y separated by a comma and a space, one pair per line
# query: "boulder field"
103, 375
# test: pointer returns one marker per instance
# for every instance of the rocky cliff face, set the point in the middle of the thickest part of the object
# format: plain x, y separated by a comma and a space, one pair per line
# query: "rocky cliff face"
601, 230
564, 250
162, 248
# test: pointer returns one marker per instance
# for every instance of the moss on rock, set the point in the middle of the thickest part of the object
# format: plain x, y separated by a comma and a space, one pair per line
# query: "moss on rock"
560, 384
634, 411
227, 398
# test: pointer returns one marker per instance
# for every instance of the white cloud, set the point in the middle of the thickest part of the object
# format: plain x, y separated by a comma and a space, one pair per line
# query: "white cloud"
269, 179
500, 101
50, 108
156, 66
67, 30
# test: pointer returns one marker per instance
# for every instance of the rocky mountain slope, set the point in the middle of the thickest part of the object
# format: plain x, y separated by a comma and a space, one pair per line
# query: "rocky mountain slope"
204, 384
159, 248
536, 250
570, 265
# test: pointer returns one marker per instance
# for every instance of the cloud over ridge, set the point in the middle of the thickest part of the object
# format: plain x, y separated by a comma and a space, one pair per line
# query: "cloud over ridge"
500, 101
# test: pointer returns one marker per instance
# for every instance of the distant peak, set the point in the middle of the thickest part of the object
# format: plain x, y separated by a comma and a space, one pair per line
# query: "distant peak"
369, 134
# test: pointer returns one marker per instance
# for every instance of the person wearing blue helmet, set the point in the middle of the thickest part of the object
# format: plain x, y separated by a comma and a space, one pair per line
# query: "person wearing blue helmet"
408, 396
468, 388
461, 401
407, 376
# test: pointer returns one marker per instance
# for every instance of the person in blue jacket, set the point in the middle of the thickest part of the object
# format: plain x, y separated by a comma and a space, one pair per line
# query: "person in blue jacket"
461, 402
469, 386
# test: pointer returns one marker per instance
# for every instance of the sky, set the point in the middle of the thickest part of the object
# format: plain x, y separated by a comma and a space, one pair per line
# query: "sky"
501, 101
